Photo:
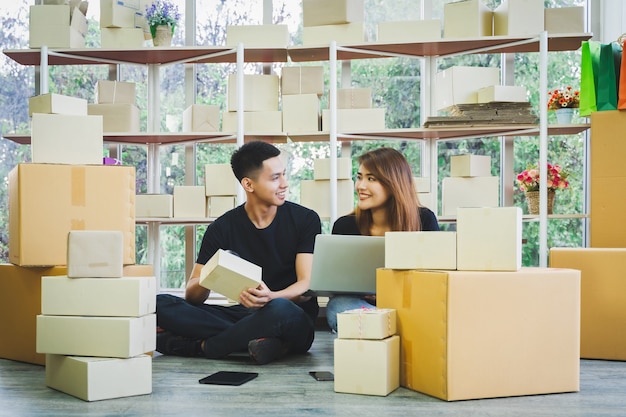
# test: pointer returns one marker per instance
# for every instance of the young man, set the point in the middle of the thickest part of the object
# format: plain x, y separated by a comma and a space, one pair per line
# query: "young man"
273, 319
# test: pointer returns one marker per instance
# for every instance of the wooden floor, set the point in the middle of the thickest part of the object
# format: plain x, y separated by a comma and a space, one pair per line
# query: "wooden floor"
284, 388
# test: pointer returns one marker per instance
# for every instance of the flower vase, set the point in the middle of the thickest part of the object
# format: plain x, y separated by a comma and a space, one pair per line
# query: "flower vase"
162, 35
532, 198
564, 115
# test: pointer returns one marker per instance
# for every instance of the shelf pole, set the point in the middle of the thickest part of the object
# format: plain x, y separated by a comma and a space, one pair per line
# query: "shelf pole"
332, 105
240, 113
543, 149
153, 167
43, 71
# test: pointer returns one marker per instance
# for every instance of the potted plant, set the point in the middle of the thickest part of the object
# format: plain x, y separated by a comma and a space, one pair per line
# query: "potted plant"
528, 181
162, 17
563, 101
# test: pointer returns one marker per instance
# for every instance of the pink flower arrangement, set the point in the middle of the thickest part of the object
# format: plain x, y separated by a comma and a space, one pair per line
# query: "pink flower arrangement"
528, 180
560, 99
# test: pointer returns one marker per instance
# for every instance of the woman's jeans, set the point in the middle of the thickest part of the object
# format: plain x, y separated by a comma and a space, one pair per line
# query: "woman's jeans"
229, 329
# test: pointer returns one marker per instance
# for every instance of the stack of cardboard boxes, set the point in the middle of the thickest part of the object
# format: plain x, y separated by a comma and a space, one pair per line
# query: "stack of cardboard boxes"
58, 24
301, 88
482, 326
260, 104
315, 193
122, 24
115, 102
324, 21
355, 112
470, 184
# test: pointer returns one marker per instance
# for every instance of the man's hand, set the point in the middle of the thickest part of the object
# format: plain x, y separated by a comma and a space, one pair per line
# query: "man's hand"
256, 297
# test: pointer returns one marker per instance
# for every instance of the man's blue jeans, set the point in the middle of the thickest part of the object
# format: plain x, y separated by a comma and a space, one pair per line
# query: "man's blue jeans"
229, 329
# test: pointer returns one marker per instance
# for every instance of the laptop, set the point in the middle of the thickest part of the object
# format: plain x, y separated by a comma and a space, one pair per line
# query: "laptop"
346, 264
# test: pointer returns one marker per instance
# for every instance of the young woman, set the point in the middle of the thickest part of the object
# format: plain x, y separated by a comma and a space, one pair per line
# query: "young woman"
387, 201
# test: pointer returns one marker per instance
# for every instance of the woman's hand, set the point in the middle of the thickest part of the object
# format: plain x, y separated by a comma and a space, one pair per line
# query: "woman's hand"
256, 297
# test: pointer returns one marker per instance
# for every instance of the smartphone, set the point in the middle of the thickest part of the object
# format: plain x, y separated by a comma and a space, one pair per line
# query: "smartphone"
228, 378
322, 375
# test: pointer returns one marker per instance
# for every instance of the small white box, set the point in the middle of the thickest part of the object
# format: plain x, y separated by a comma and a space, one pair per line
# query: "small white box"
260, 92
370, 367
117, 117
266, 36
331, 12
154, 205
467, 19
489, 239
409, 30
112, 337
460, 85
518, 17
509, 93
354, 98
301, 113
95, 253
321, 169
470, 165
120, 38
565, 19
366, 323
349, 33
229, 275
117, 13
218, 205
189, 201
219, 179
422, 184
64, 296
468, 192
254, 121
315, 194
201, 118
93, 379
57, 104
66, 139
420, 250
302, 80
115, 92
355, 120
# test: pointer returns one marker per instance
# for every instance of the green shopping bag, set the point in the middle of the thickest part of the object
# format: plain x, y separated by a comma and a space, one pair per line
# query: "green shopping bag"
606, 89
587, 79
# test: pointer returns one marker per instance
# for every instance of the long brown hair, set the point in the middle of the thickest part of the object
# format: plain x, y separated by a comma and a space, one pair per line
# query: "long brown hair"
393, 171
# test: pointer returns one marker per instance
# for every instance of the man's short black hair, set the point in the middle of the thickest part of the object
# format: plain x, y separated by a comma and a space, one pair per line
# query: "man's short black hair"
248, 159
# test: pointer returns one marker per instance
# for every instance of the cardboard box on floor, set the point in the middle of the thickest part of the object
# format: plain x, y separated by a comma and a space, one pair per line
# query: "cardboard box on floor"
602, 298
472, 334
20, 299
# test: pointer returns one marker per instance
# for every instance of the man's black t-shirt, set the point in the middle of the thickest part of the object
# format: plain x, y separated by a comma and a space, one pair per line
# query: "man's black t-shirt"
273, 248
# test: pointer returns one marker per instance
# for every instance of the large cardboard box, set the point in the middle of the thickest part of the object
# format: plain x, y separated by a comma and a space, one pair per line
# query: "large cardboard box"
66, 139
260, 92
409, 31
489, 239
315, 194
321, 168
118, 117
266, 36
602, 298
111, 337
468, 192
460, 85
219, 179
468, 335
95, 253
565, 19
229, 275
420, 250
46, 201
64, 296
254, 121
369, 367
518, 17
20, 299
189, 201
348, 33
302, 80
355, 120
467, 19
607, 204
301, 113
52, 103
93, 379
201, 118
115, 92
331, 12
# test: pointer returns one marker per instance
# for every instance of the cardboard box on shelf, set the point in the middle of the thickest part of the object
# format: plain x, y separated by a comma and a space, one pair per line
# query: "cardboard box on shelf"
565, 19
348, 33
52, 103
331, 12
118, 13
115, 92
302, 80
355, 120
219, 179
267, 36
509, 93
120, 38
467, 19
409, 31
254, 121
201, 118
301, 113
460, 85
446, 341
354, 98
189, 201
315, 194
518, 17
46, 201
219, 204
154, 205
321, 168
118, 117
260, 92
